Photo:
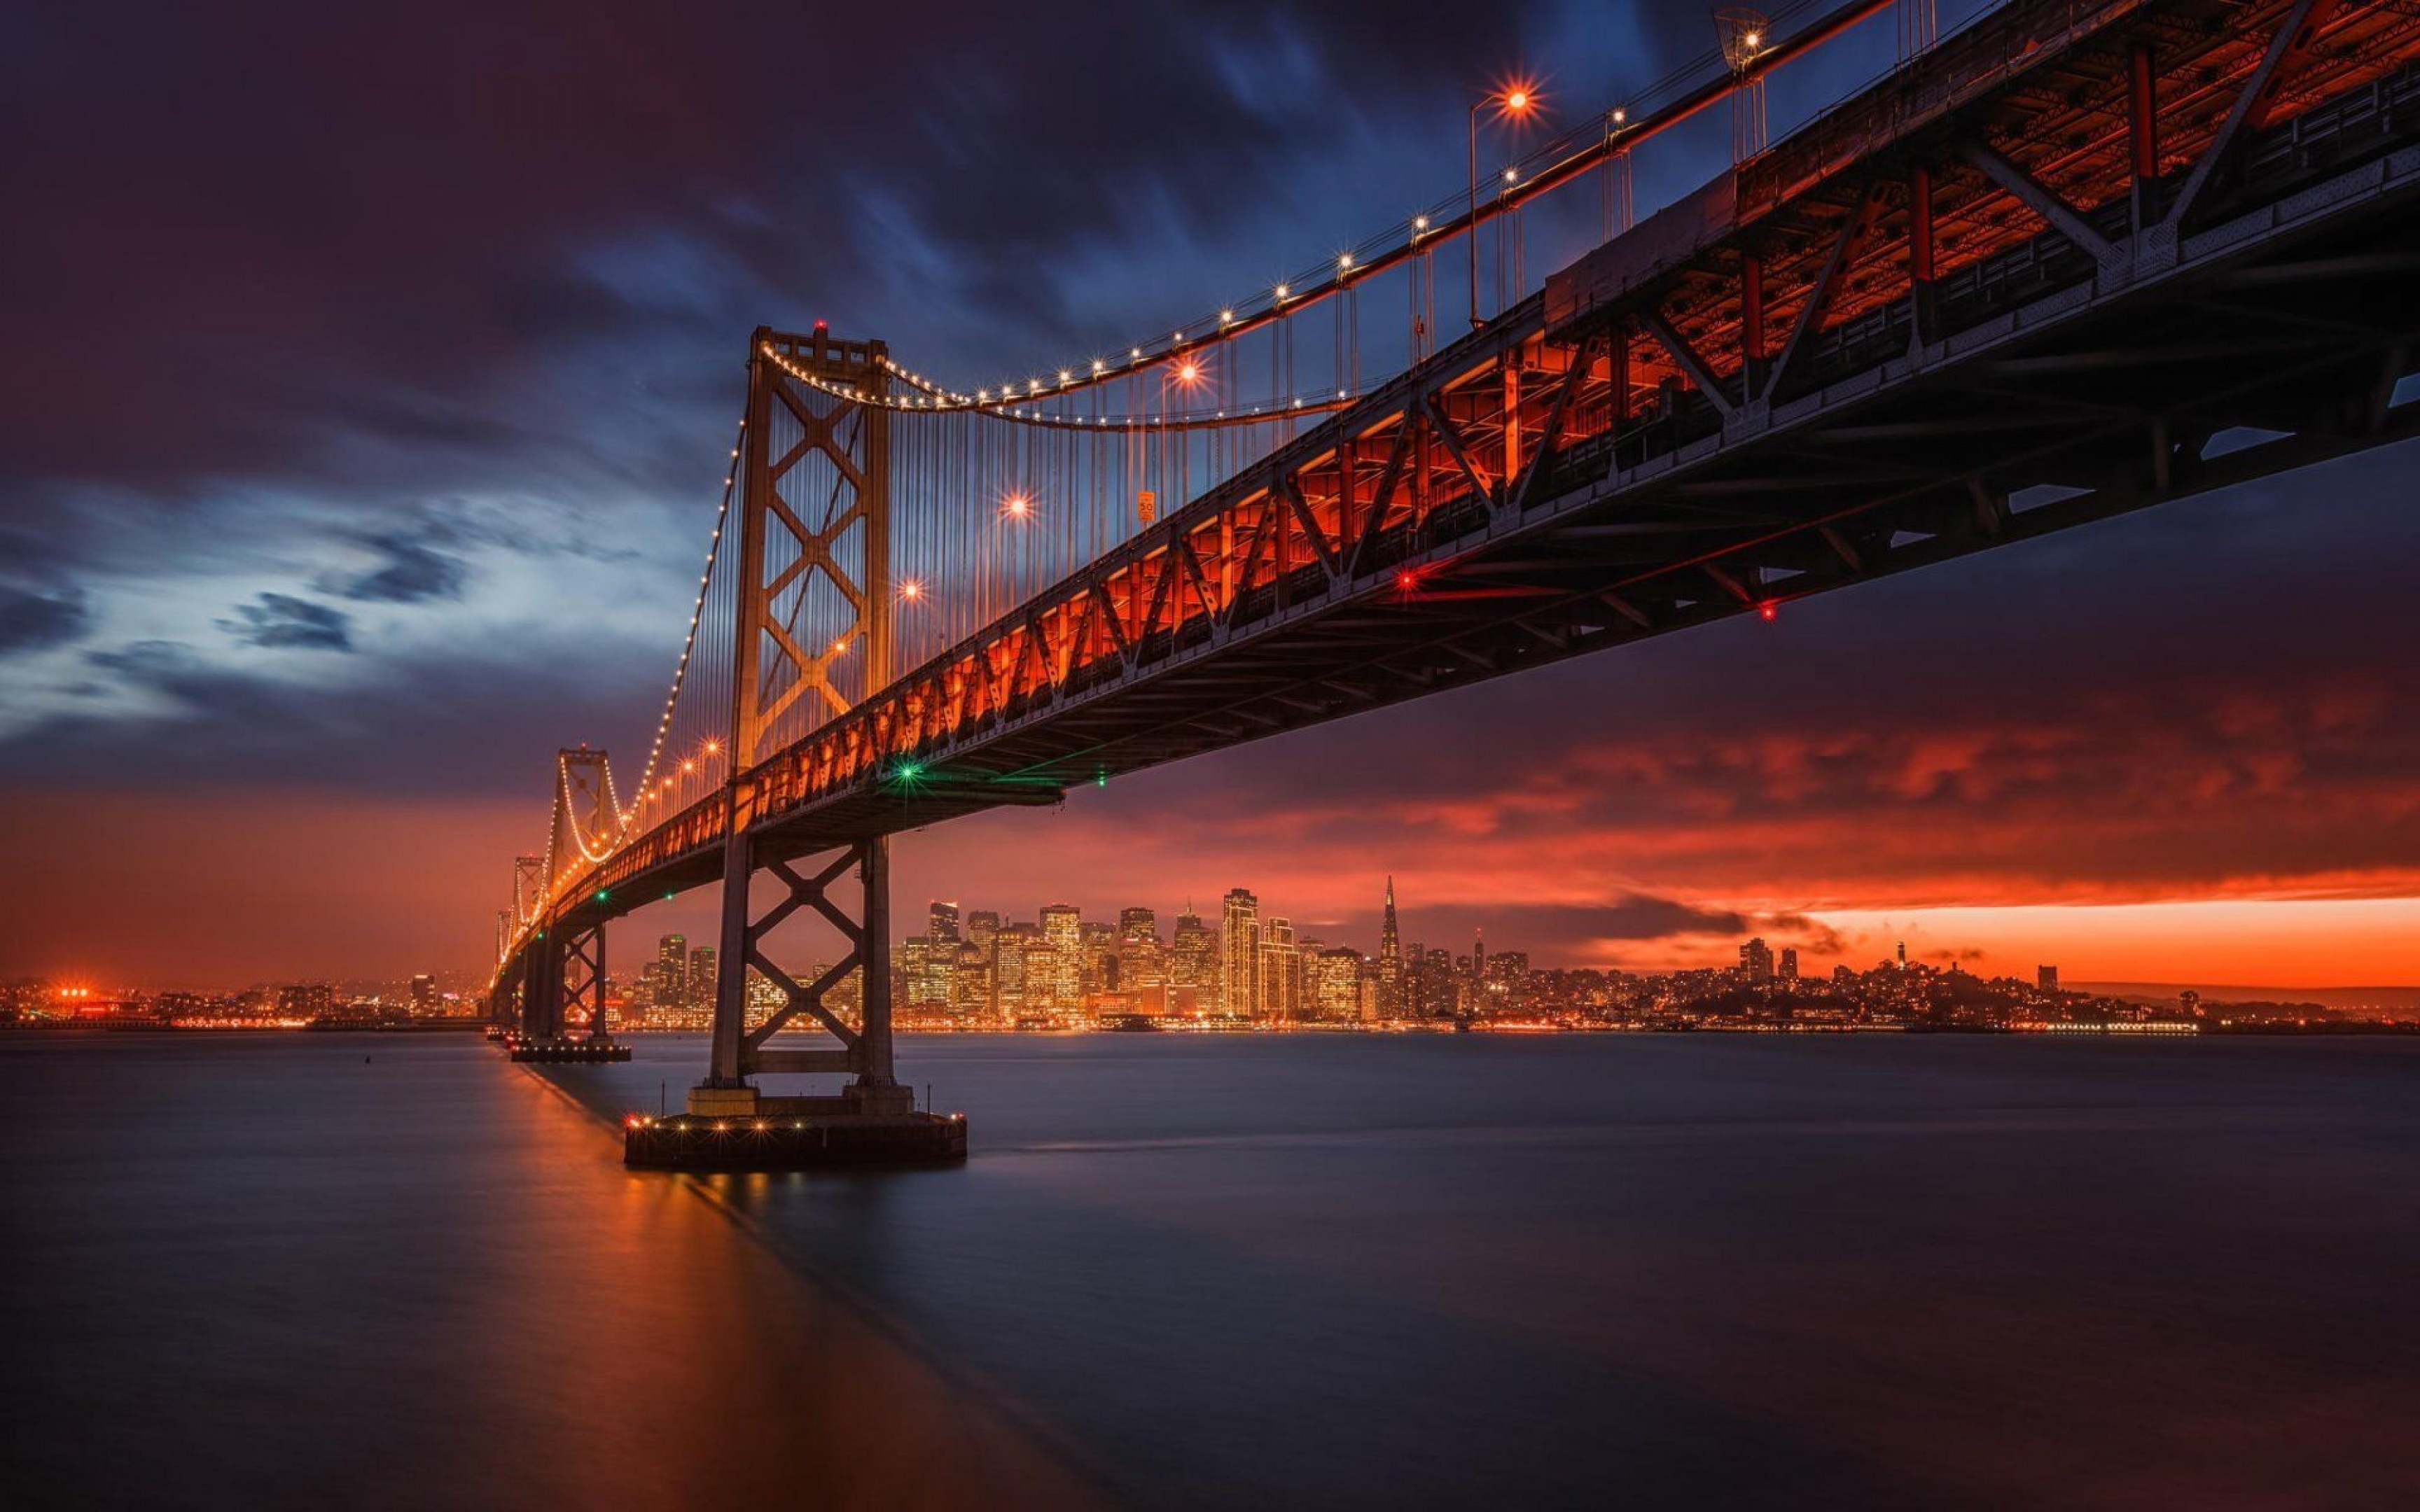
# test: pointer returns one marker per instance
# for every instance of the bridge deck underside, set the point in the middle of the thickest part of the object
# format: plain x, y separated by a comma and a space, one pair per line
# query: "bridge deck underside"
1669, 453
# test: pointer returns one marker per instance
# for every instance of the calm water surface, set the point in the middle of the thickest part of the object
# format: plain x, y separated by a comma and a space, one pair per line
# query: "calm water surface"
1228, 1271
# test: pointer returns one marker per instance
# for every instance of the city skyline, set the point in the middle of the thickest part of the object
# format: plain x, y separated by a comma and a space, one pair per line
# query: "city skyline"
2099, 943
1242, 918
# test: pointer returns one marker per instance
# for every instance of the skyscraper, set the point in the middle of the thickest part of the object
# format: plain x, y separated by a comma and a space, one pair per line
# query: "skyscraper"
2046, 979
1097, 960
1142, 966
1055, 973
1193, 964
1239, 955
1280, 976
672, 976
1016, 955
1390, 959
941, 924
1756, 961
1335, 985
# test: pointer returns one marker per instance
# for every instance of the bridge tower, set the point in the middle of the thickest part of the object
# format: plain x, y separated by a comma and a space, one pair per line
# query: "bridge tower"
563, 982
813, 639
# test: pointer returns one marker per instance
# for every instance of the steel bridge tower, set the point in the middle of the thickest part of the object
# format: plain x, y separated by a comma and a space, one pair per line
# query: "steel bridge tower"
813, 639
564, 976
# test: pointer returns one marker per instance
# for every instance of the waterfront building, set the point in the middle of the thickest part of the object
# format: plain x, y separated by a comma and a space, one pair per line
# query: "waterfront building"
305, 1000
1281, 980
1142, 963
1239, 955
1193, 964
1054, 972
1334, 984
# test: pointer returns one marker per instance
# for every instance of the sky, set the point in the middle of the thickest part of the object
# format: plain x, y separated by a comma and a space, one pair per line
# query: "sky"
371, 376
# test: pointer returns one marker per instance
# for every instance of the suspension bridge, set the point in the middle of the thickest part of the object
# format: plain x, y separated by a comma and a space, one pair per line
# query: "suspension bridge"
2071, 259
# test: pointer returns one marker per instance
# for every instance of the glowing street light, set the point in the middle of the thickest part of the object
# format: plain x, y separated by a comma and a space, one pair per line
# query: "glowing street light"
1516, 102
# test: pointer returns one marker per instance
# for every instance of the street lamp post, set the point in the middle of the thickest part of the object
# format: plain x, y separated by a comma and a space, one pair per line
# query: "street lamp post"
1514, 101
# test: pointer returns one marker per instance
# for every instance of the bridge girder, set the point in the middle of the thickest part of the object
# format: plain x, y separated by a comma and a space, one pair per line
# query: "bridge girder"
2047, 300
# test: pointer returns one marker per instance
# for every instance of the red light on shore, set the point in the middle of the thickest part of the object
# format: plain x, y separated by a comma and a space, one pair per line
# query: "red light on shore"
1768, 610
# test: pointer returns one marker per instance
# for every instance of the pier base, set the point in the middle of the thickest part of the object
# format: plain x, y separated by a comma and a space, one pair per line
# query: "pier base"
791, 1133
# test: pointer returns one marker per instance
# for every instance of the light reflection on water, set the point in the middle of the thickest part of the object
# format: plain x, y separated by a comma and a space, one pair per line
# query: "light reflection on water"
1238, 1271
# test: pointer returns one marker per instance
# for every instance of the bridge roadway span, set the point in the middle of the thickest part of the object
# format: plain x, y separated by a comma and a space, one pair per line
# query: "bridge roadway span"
1959, 310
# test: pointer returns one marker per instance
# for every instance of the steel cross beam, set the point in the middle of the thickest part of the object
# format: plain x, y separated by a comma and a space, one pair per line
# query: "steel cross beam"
865, 1046
580, 980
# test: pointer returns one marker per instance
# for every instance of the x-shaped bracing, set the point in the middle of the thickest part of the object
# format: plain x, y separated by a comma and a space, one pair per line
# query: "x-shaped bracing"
807, 892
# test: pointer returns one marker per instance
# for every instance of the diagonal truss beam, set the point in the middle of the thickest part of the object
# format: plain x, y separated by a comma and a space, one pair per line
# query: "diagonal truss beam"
2250, 101
1686, 356
2031, 193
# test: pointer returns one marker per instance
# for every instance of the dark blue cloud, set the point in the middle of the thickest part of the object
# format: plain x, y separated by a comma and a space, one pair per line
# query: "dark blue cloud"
31, 620
413, 573
282, 620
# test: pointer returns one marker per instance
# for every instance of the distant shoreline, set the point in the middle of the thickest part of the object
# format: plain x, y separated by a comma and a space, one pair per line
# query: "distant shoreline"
2334, 1029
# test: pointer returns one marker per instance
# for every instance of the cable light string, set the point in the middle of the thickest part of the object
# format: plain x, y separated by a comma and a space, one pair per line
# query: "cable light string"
571, 815
1023, 406
696, 613
554, 885
1663, 102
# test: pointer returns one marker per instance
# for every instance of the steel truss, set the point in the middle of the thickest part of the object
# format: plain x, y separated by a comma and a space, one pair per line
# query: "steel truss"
864, 1047
774, 674
2082, 259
